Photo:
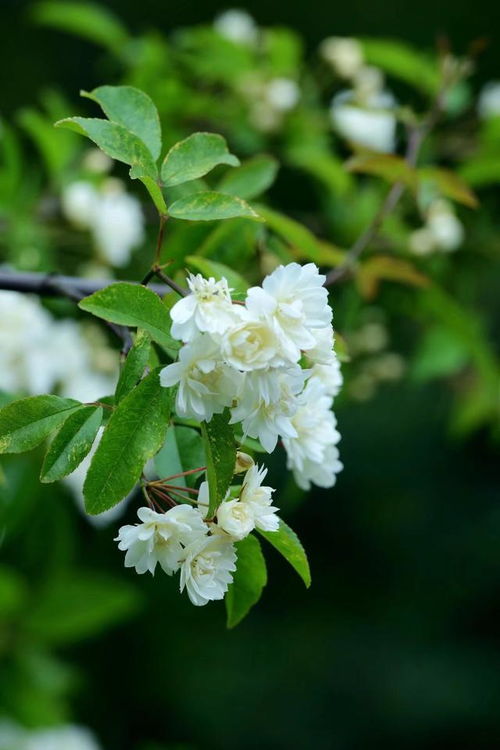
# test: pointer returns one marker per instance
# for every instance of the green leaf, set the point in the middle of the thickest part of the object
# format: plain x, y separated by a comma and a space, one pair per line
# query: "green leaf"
450, 184
441, 353
77, 605
88, 20
194, 157
286, 541
220, 452
132, 305
403, 62
72, 443
181, 451
248, 580
218, 270
132, 436
117, 142
133, 109
134, 366
301, 238
251, 179
156, 194
211, 206
387, 166
24, 424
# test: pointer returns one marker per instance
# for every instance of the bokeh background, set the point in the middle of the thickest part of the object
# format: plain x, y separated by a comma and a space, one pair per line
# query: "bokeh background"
397, 643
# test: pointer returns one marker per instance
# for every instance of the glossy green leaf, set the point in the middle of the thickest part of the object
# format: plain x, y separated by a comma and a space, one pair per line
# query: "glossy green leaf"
88, 20
211, 206
248, 580
24, 424
286, 541
132, 305
181, 451
194, 157
72, 443
117, 142
133, 109
209, 267
132, 436
134, 366
220, 452
253, 178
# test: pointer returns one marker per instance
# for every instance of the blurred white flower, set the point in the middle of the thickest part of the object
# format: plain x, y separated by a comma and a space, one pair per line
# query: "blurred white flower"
206, 384
113, 217
67, 737
207, 567
368, 82
160, 537
208, 309
371, 124
443, 231
282, 94
344, 54
237, 25
118, 224
95, 160
489, 100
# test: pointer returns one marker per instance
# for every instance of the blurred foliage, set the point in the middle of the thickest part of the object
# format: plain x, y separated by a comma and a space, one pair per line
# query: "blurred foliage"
397, 640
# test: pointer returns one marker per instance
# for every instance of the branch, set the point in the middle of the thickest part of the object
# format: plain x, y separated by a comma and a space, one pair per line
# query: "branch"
75, 289
53, 285
416, 137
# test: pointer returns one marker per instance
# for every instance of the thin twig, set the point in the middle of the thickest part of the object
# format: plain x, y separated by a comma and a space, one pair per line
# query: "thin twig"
54, 285
416, 137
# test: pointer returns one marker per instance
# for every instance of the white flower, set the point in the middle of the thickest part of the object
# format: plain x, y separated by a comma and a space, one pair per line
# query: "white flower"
259, 499
251, 345
372, 125
282, 94
489, 100
293, 300
79, 202
266, 404
344, 54
237, 25
118, 223
321, 473
60, 738
309, 450
322, 351
445, 227
206, 384
159, 538
328, 376
235, 518
206, 568
208, 309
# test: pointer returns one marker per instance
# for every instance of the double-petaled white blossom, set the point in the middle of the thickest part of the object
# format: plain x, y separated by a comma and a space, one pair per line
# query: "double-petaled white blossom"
251, 345
311, 451
294, 301
259, 499
206, 384
267, 403
207, 566
160, 538
208, 309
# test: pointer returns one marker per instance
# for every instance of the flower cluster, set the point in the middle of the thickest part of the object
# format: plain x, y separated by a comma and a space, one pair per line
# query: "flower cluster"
182, 539
247, 357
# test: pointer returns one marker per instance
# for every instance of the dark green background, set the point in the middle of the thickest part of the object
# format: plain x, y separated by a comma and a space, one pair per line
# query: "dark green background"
397, 644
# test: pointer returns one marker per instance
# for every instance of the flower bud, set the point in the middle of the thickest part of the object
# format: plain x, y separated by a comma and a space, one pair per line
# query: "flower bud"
243, 462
